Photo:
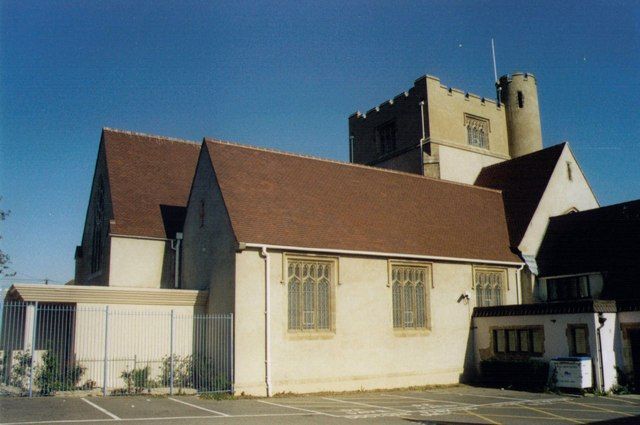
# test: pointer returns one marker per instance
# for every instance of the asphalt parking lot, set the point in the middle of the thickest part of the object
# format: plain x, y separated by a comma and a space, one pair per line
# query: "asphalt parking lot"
459, 405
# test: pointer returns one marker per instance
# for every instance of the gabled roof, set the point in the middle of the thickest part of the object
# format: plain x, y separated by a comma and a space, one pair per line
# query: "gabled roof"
290, 200
523, 181
150, 179
604, 239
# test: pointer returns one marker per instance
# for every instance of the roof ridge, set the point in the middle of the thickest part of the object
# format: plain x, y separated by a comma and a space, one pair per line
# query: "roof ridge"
335, 161
153, 136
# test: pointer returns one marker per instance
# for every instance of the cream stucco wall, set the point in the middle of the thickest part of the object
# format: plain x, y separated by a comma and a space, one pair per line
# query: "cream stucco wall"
364, 351
141, 263
556, 342
560, 196
463, 165
446, 116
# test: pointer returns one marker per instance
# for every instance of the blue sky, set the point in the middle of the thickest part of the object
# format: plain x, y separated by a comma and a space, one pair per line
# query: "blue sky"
287, 76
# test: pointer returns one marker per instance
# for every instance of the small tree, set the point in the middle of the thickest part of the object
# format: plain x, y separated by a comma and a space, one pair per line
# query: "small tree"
4, 258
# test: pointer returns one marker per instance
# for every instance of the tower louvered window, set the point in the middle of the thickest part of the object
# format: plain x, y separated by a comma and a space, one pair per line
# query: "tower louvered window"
309, 295
477, 131
409, 297
489, 286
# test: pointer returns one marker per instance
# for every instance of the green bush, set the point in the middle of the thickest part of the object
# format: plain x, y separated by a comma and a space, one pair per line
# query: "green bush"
21, 370
137, 380
529, 375
51, 376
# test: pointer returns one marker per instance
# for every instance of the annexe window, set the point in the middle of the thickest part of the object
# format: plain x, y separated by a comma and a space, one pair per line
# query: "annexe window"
477, 131
409, 296
568, 288
578, 340
98, 221
309, 295
529, 341
489, 286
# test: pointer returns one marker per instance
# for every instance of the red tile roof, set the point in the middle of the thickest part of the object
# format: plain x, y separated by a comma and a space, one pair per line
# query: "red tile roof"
290, 200
523, 181
148, 177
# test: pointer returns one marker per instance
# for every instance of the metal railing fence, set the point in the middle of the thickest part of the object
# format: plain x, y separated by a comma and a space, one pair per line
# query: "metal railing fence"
49, 348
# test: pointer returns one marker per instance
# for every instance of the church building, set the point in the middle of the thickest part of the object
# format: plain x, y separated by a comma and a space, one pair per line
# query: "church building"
392, 270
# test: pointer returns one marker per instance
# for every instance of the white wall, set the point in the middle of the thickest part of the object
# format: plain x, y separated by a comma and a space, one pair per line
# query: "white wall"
463, 166
141, 263
560, 196
364, 351
556, 340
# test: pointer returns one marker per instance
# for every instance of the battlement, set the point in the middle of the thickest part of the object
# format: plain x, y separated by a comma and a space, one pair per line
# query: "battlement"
396, 99
452, 91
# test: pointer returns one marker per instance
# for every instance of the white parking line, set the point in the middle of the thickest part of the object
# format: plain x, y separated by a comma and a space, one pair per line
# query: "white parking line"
298, 408
198, 407
74, 421
366, 405
103, 410
424, 399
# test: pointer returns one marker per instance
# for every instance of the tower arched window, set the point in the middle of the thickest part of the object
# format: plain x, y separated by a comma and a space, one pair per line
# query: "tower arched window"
477, 131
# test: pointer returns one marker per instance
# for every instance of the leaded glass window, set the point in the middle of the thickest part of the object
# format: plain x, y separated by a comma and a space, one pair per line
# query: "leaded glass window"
477, 131
309, 295
409, 297
489, 285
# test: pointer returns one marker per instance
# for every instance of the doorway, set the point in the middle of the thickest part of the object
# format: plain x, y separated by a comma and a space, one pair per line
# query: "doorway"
634, 342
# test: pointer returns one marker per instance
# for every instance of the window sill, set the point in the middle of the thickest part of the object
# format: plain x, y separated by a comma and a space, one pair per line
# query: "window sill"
411, 332
309, 335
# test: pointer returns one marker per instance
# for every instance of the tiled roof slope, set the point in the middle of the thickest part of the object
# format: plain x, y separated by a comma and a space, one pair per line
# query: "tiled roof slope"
150, 178
289, 200
522, 181
603, 239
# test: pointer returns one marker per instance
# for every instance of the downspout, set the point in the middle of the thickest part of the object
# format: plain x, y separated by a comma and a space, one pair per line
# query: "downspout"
176, 245
601, 321
351, 140
267, 319
424, 136
518, 280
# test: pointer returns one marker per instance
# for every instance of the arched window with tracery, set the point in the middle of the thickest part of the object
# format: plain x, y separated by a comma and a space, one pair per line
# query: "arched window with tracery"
477, 131
489, 286
309, 295
409, 296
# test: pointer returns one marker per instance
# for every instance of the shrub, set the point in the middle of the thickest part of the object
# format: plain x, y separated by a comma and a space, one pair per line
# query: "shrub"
137, 380
518, 374
21, 370
51, 377
182, 371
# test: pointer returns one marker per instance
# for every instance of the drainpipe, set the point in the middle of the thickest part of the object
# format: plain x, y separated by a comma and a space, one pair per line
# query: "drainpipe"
518, 272
175, 245
351, 140
267, 319
424, 136
601, 321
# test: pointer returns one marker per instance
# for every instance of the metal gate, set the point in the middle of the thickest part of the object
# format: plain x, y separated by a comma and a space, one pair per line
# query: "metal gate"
110, 350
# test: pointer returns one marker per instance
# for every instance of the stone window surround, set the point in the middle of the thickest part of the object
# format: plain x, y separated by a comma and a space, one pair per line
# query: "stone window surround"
429, 284
334, 282
503, 270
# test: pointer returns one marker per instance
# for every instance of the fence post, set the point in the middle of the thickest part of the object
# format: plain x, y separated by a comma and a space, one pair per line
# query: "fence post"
171, 357
32, 310
231, 334
105, 367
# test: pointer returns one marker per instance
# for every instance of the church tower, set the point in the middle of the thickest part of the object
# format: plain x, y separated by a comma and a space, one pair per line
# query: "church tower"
519, 94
